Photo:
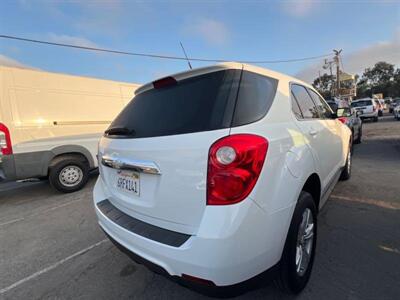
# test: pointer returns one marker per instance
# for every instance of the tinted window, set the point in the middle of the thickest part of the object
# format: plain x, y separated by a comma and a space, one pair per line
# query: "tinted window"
255, 97
305, 102
296, 108
206, 102
323, 108
196, 104
361, 103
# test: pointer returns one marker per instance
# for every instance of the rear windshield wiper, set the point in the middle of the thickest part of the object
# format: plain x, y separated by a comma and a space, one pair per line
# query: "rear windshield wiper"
120, 131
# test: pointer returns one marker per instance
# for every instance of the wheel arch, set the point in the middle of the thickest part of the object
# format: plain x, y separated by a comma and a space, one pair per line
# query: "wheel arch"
63, 151
313, 186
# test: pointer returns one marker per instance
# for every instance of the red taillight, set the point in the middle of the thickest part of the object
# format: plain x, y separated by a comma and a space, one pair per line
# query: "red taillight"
5, 140
234, 164
343, 120
164, 82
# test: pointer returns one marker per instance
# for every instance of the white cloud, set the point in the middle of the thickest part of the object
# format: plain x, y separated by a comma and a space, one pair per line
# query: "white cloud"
212, 31
299, 8
357, 61
74, 40
10, 62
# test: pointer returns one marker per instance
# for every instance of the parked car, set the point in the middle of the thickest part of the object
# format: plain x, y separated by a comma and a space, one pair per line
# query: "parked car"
50, 124
396, 111
394, 103
350, 117
367, 107
217, 174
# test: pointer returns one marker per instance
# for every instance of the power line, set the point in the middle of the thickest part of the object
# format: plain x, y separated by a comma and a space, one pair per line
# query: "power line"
159, 55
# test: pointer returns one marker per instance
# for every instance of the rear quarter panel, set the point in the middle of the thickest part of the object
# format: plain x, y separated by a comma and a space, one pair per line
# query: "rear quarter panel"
287, 166
288, 161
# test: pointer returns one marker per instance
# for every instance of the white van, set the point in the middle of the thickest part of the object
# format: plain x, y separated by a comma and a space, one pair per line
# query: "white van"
50, 124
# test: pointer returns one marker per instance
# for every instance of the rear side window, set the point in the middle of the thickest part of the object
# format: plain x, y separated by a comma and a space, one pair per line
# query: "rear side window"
255, 97
296, 108
322, 106
207, 102
306, 104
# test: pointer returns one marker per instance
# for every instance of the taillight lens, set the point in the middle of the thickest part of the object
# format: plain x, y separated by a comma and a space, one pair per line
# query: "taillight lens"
234, 164
343, 120
164, 82
5, 140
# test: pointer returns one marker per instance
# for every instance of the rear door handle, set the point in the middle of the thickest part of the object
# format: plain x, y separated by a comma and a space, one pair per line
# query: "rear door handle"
313, 132
143, 166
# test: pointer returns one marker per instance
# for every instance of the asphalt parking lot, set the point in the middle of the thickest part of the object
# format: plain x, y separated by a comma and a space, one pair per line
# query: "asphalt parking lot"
52, 248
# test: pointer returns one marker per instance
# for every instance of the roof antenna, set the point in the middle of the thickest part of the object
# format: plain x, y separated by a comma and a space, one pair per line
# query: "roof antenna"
184, 52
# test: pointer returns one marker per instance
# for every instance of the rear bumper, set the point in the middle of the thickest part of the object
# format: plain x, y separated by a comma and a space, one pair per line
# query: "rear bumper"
232, 244
369, 115
206, 288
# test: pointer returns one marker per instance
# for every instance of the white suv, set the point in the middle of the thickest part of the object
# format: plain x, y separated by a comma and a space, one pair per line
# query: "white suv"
217, 174
367, 107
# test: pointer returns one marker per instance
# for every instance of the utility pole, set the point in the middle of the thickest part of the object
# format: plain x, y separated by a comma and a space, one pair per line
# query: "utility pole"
336, 59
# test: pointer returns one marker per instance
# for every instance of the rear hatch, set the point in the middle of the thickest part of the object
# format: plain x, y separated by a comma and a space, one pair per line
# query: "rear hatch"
365, 106
155, 152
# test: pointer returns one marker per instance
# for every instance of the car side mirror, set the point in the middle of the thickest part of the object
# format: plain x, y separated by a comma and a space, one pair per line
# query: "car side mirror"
340, 112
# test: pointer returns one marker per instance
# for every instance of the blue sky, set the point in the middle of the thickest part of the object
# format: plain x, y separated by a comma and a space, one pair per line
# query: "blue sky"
367, 31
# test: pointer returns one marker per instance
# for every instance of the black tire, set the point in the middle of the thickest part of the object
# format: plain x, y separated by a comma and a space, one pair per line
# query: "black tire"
289, 279
75, 170
359, 137
375, 119
346, 172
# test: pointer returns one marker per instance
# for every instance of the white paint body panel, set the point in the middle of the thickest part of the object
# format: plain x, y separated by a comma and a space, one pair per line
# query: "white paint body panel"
232, 243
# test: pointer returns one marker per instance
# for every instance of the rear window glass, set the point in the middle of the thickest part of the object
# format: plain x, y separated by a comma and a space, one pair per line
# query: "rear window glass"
207, 102
255, 98
361, 103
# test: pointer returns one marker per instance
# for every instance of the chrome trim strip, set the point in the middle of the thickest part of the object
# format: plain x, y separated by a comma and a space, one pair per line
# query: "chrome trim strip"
142, 166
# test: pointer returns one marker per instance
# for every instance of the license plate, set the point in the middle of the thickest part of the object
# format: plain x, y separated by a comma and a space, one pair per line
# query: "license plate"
128, 181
